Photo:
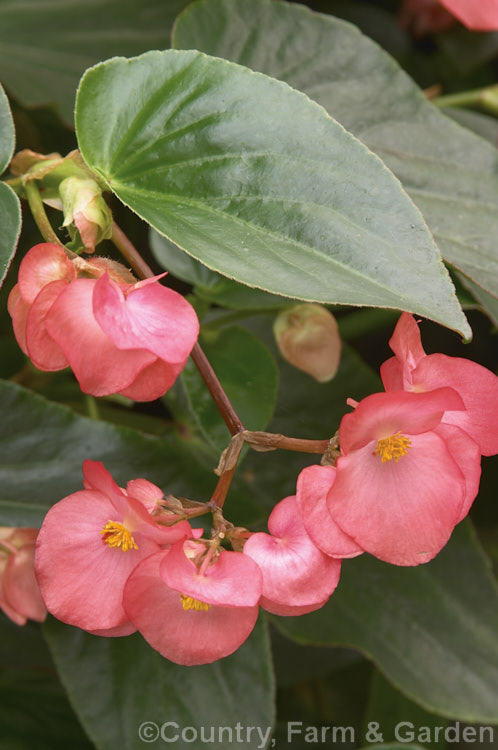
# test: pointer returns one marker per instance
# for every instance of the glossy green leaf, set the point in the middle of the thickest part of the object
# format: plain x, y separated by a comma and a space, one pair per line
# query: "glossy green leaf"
139, 690
432, 630
10, 208
43, 445
45, 45
209, 285
248, 374
451, 174
255, 180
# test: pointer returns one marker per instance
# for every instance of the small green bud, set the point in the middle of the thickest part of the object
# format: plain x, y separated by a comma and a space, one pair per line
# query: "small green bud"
86, 214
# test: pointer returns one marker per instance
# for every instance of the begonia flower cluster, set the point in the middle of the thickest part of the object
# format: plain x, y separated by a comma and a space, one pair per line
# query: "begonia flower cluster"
106, 565
112, 561
117, 335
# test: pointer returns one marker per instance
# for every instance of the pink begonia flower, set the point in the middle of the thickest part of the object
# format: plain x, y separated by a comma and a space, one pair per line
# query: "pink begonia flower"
411, 369
194, 611
117, 336
403, 480
313, 485
297, 576
89, 544
20, 597
425, 17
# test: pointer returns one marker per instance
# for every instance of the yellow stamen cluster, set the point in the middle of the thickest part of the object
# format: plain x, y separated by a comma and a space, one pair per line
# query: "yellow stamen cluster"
189, 602
117, 536
393, 447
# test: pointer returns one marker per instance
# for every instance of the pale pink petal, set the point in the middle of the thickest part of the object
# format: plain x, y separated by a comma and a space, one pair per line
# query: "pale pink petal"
19, 311
81, 578
295, 572
384, 414
151, 317
286, 611
153, 381
234, 580
402, 512
184, 636
478, 388
477, 15
43, 351
313, 484
44, 263
466, 454
101, 368
147, 493
20, 587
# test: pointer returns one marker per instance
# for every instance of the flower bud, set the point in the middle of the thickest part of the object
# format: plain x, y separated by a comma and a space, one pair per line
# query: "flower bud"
308, 338
85, 211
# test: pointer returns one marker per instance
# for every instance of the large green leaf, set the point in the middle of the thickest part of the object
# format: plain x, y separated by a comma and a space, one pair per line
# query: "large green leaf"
45, 45
10, 208
139, 690
451, 174
42, 447
258, 182
432, 630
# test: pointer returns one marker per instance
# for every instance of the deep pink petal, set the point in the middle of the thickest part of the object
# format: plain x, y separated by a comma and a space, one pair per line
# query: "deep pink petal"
19, 311
151, 317
313, 485
466, 454
43, 351
295, 572
153, 381
80, 577
183, 636
127, 629
391, 373
20, 586
401, 512
101, 368
384, 414
406, 342
477, 15
478, 388
147, 493
234, 580
44, 263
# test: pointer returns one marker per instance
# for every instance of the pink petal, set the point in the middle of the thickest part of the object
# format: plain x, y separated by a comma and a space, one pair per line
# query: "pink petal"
401, 512
153, 381
478, 388
295, 572
406, 342
183, 636
234, 580
44, 263
151, 317
391, 372
313, 485
18, 310
477, 15
20, 587
147, 493
43, 351
99, 366
286, 611
127, 629
384, 414
466, 454
80, 577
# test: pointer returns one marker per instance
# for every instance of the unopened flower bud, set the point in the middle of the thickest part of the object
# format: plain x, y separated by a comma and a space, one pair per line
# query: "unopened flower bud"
85, 211
308, 338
